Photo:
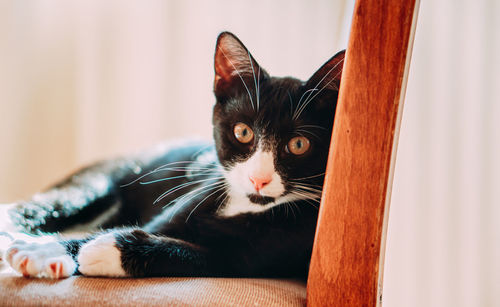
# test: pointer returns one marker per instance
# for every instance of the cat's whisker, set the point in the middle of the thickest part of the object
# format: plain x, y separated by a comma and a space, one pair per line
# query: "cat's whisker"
311, 126
255, 80
309, 177
166, 167
326, 85
156, 170
295, 116
196, 207
296, 206
312, 204
309, 190
223, 193
309, 98
239, 75
308, 194
306, 198
183, 185
179, 187
179, 201
290, 208
305, 187
299, 133
305, 182
226, 193
326, 75
194, 192
173, 190
182, 162
205, 173
258, 88
203, 148
291, 102
219, 185
185, 162
162, 179
189, 168
301, 183
311, 133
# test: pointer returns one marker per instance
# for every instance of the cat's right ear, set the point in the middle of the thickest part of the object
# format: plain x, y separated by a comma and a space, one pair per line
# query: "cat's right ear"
235, 68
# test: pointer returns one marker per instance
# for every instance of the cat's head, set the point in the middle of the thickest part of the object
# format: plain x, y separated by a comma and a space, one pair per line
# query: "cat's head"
272, 134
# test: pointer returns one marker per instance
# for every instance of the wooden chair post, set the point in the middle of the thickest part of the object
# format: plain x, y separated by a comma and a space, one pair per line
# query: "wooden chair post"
348, 255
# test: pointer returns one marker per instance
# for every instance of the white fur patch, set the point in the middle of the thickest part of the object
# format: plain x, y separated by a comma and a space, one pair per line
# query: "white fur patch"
101, 257
238, 204
5, 221
260, 164
5, 241
40, 260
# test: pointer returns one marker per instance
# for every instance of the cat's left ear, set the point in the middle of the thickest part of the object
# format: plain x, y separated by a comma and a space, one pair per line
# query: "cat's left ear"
235, 68
328, 76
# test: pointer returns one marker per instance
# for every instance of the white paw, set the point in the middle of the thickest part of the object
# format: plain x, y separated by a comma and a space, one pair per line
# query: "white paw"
40, 260
5, 221
101, 257
5, 241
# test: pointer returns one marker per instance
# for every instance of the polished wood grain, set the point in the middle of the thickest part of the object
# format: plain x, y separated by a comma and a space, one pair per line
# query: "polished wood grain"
347, 260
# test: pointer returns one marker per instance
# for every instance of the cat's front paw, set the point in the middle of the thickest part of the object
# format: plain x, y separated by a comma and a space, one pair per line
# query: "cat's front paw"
40, 260
101, 257
5, 241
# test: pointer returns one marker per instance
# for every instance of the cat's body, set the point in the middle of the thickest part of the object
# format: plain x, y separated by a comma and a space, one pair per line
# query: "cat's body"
244, 206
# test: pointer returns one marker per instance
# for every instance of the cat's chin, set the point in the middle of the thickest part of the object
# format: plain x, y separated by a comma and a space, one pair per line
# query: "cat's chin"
260, 199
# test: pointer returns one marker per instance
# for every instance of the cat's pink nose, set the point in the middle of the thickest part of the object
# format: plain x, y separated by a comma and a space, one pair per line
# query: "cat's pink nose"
259, 182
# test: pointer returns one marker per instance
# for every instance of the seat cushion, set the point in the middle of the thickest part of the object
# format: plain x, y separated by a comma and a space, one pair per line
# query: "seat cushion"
85, 291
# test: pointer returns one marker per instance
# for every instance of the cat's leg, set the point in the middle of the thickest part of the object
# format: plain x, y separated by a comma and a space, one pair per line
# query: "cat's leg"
99, 196
136, 253
88, 195
59, 259
74, 202
118, 253
5, 240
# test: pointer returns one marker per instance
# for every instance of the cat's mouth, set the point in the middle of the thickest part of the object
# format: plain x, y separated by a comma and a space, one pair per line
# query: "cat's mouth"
260, 199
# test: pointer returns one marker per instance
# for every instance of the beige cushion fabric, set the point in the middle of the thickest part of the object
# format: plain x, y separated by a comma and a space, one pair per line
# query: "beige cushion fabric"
83, 291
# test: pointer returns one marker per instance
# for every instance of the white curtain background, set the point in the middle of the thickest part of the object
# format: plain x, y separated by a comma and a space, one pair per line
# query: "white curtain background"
86, 80
443, 244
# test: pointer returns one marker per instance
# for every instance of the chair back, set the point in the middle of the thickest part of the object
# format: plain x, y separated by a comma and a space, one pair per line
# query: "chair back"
348, 255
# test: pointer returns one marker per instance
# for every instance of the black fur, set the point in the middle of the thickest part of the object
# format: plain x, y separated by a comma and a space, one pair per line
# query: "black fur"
185, 236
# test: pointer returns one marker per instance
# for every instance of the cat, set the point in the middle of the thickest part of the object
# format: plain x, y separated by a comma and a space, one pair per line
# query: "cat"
245, 205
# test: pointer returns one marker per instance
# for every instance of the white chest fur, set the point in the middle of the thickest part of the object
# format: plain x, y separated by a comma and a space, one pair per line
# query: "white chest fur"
238, 203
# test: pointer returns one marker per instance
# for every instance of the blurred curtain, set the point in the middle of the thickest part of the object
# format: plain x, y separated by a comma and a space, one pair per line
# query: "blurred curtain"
85, 80
443, 244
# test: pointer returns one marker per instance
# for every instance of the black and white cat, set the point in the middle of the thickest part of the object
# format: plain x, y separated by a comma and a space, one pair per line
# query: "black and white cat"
244, 206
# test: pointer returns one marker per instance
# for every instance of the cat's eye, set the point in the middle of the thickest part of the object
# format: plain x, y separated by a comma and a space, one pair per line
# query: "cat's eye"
243, 133
298, 145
